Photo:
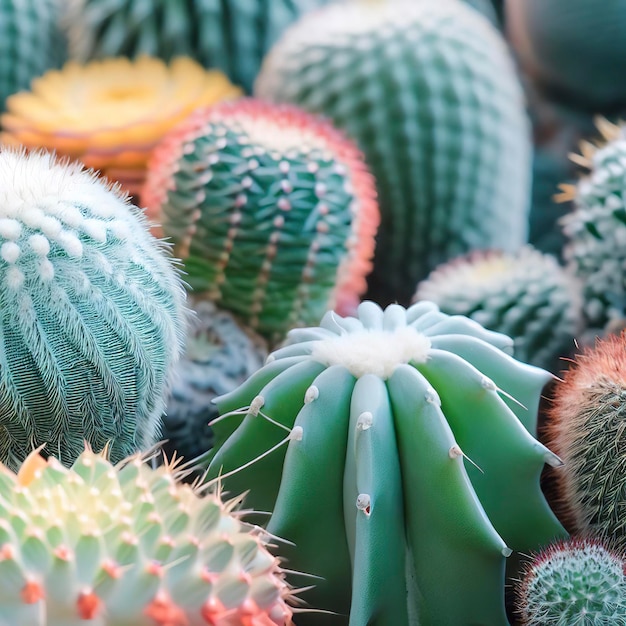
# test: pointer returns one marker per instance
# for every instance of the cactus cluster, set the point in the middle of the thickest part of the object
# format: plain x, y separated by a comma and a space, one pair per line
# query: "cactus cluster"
429, 92
129, 545
92, 314
271, 209
395, 450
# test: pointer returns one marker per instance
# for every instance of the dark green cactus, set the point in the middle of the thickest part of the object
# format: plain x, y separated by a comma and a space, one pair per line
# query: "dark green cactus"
428, 91
396, 451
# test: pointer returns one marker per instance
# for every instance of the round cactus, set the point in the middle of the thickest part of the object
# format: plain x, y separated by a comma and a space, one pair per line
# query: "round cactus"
129, 545
579, 581
527, 296
423, 428
428, 91
220, 354
92, 314
271, 209
31, 43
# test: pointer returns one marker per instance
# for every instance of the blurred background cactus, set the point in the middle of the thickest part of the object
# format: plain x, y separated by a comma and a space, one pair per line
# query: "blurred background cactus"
429, 92
272, 210
92, 315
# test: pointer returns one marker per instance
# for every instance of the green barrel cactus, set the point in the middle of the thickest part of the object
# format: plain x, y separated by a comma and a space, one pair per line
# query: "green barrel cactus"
129, 545
271, 209
527, 296
428, 91
31, 42
579, 581
92, 314
220, 354
395, 450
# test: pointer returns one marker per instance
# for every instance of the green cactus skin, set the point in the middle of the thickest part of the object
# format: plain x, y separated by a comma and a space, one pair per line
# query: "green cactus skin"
579, 581
129, 546
232, 35
92, 314
31, 42
388, 404
271, 209
428, 91
220, 354
527, 296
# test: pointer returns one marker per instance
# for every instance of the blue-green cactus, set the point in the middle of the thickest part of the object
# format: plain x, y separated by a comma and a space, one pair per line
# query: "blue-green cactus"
396, 451
92, 314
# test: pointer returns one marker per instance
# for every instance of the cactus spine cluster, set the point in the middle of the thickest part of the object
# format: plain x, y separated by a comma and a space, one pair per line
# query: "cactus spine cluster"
396, 429
92, 314
428, 91
129, 545
271, 209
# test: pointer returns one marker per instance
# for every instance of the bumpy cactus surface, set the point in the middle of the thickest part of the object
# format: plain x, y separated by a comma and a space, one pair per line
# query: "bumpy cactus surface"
31, 42
428, 91
272, 210
527, 296
400, 429
579, 581
220, 354
92, 314
129, 545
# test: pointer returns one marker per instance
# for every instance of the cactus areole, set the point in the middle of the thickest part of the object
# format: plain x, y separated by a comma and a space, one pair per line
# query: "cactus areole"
395, 450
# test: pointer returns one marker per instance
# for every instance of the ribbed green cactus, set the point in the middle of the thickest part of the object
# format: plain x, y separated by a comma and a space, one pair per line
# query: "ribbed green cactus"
428, 91
31, 42
396, 451
579, 581
232, 35
527, 296
92, 314
220, 354
129, 545
271, 209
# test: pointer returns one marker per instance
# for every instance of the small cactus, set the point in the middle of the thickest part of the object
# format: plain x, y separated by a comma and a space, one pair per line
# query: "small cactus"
428, 91
92, 314
271, 209
129, 545
579, 581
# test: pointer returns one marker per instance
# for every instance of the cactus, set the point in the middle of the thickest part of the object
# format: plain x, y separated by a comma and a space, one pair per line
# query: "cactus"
129, 545
220, 354
579, 581
92, 314
391, 405
31, 43
428, 91
527, 296
271, 209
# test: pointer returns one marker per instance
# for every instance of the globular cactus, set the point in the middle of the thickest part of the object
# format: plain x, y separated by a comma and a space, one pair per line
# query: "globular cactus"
428, 91
527, 296
579, 581
396, 451
31, 42
232, 35
220, 354
92, 314
129, 545
271, 209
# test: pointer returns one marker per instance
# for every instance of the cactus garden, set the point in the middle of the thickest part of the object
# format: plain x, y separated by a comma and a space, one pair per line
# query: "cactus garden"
312, 313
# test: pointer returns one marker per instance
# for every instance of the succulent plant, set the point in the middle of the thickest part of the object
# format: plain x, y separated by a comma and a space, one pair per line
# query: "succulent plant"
127, 544
31, 43
527, 296
92, 314
428, 91
271, 209
220, 354
579, 581
395, 450
110, 114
